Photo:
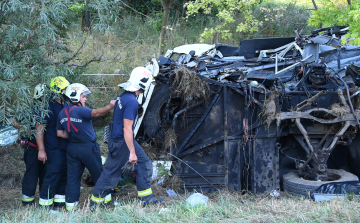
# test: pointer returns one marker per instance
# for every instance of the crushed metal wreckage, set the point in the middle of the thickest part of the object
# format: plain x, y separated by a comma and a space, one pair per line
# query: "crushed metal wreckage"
274, 113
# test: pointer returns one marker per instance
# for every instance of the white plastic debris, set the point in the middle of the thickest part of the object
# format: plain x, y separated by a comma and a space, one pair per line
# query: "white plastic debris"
254, 83
8, 135
103, 160
197, 198
198, 48
53, 212
274, 193
327, 197
164, 210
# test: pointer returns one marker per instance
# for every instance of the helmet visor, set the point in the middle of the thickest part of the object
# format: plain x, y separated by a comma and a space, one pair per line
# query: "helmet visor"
87, 92
130, 86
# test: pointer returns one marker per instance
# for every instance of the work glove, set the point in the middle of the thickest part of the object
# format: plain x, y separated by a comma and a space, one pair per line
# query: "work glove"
128, 167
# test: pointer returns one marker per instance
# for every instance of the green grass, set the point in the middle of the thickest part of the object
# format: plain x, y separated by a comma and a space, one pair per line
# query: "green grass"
224, 207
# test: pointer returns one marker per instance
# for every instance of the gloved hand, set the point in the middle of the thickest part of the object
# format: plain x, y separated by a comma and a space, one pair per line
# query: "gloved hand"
128, 167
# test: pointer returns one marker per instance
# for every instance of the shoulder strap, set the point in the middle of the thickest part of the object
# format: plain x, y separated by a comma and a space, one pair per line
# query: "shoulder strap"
69, 121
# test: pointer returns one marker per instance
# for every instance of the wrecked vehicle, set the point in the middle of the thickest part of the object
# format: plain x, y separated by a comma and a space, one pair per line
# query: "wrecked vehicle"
273, 113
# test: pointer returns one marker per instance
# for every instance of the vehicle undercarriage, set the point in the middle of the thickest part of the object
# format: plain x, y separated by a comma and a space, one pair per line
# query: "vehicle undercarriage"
273, 113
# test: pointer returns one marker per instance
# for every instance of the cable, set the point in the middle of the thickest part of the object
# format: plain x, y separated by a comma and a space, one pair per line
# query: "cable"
193, 170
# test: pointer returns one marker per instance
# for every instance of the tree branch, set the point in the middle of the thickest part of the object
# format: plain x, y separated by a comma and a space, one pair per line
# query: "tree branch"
315, 6
77, 52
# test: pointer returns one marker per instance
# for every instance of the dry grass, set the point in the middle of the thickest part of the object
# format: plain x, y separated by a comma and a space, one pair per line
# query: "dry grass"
339, 110
190, 86
226, 206
150, 151
12, 162
269, 108
170, 139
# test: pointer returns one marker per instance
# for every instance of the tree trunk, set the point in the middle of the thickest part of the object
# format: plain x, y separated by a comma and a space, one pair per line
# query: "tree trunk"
86, 22
166, 7
349, 2
315, 6
215, 38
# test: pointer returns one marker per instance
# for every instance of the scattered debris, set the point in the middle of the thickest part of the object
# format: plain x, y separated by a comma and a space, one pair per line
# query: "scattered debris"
274, 193
149, 150
171, 193
269, 108
333, 190
161, 171
190, 86
8, 135
197, 199
170, 139
339, 110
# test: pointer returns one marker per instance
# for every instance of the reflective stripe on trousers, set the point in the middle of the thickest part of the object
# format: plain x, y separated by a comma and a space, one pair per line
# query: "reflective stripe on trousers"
46, 202
100, 200
144, 193
72, 206
27, 198
59, 198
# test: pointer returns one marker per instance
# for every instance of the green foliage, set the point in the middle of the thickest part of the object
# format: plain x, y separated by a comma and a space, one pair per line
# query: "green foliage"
77, 7
227, 13
156, 22
339, 13
144, 6
162, 171
34, 46
281, 19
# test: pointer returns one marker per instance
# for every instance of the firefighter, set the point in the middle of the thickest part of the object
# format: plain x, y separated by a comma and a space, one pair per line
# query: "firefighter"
35, 171
52, 149
123, 148
75, 123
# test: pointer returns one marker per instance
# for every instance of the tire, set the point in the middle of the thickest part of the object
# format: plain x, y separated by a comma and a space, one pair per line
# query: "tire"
295, 185
156, 111
152, 118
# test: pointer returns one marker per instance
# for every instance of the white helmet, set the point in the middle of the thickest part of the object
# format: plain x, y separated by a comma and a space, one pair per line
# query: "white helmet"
39, 91
140, 78
73, 91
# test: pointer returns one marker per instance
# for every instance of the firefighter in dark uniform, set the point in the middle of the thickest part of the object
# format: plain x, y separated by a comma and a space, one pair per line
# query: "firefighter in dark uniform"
122, 146
52, 150
75, 123
35, 169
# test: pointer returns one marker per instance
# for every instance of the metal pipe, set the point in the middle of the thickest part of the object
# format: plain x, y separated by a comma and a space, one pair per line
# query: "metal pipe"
317, 147
303, 131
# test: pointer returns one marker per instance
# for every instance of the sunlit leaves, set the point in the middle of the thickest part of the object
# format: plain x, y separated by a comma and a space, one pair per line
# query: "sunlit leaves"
227, 12
339, 13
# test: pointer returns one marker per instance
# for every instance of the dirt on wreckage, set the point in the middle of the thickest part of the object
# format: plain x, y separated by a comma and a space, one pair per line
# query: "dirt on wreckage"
254, 116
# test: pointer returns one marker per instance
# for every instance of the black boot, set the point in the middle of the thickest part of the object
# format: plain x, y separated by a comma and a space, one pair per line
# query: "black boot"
150, 199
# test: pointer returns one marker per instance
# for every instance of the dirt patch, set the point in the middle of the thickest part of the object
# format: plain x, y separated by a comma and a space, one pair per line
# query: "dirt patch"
190, 86
12, 163
174, 183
